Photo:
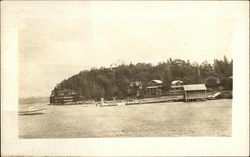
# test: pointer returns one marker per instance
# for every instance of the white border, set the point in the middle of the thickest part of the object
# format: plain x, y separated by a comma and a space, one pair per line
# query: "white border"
12, 13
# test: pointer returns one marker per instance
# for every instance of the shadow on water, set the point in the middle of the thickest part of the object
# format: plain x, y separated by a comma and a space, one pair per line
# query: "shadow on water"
30, 114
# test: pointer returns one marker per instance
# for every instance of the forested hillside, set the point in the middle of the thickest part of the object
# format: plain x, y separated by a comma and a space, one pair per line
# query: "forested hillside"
114, 82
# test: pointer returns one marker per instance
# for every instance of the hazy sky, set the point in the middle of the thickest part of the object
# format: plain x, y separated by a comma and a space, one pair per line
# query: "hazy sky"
58, 46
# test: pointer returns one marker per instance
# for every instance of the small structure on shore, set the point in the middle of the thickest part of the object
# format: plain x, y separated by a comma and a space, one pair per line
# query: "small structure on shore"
194, 92
134, 88
154, 87
176, 87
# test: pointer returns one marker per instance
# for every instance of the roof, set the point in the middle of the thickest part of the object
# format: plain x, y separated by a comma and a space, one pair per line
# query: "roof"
154, 86
156, 81
135, 83
177, 81
193, 87
176, 86
66, 90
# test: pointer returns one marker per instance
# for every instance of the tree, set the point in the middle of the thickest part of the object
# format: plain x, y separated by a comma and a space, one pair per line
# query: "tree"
212, 82
206, 70
223, 68
227, 83
114, 81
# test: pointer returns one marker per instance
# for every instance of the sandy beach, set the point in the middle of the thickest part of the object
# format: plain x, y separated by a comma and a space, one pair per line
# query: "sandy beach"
174, 119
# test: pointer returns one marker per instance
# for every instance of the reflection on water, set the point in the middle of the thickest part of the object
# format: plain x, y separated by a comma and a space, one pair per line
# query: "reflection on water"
27, 103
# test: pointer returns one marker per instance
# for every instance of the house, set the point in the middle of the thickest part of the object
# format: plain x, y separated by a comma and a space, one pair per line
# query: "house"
176, 87
154, 87
194, 91
63, 96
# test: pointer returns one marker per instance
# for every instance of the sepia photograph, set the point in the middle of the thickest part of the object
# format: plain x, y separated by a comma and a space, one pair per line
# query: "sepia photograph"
112, 76
94, 70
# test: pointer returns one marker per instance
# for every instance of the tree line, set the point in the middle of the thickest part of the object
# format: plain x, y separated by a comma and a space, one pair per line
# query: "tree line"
114, 82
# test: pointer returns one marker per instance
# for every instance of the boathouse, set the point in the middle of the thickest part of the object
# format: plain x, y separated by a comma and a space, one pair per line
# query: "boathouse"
194, 92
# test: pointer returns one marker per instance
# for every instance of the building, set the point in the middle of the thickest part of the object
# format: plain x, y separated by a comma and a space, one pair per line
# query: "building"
135, 88
63, 96
194, 91
176, 87
154, 87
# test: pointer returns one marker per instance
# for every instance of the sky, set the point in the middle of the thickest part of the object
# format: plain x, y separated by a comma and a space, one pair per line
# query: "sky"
71, 38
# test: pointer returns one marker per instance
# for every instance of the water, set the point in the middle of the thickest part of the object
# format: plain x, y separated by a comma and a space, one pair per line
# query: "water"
37, 102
